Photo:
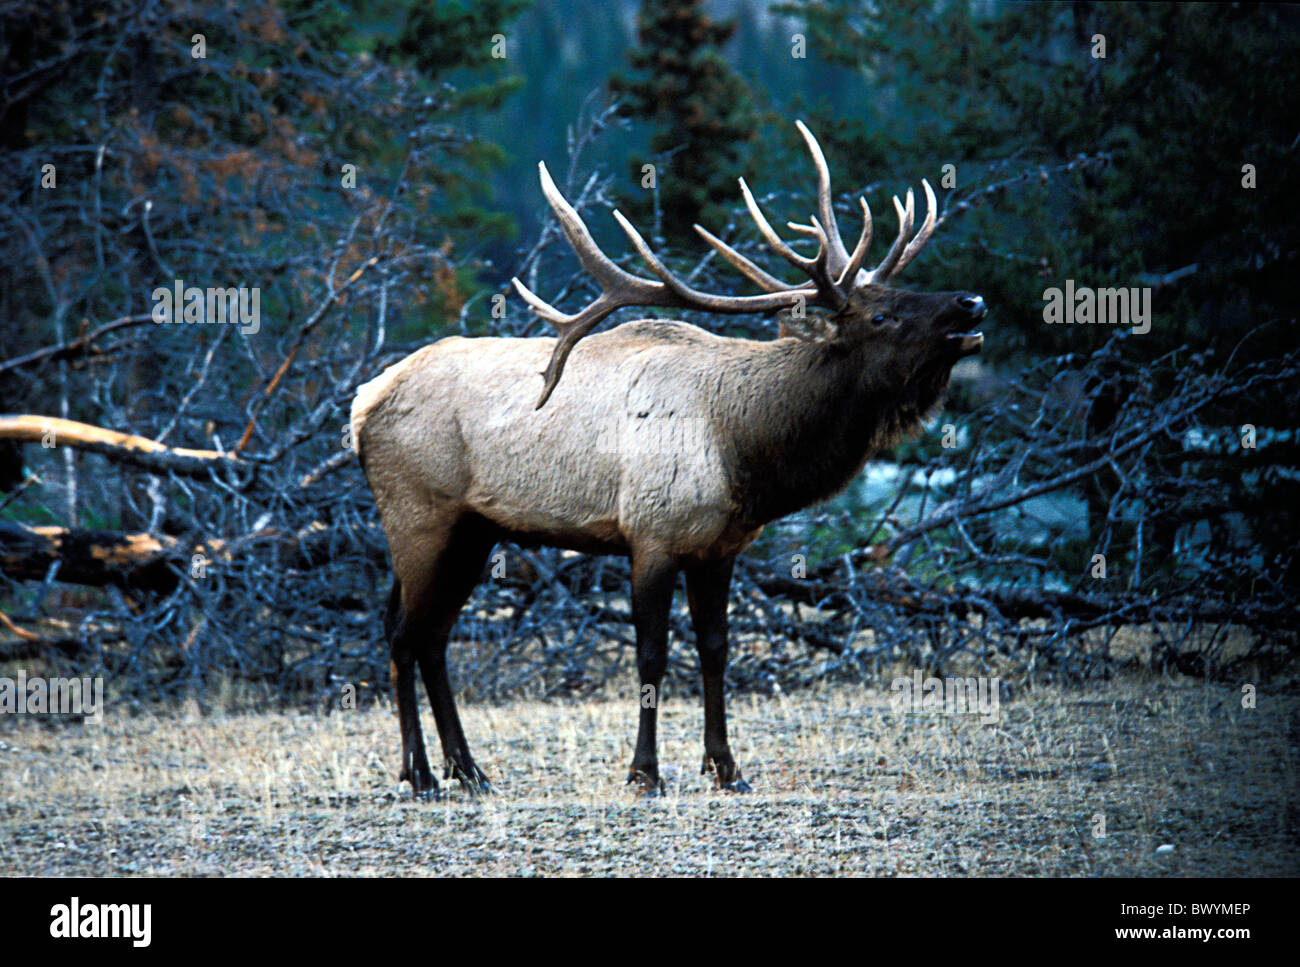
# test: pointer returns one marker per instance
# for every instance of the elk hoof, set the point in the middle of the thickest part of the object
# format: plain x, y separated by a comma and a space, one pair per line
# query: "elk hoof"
472, 779
423, 786
726, 775
423, 791
646, 784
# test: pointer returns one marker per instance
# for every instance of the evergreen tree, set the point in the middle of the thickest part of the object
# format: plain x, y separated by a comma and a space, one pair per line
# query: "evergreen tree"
700, 110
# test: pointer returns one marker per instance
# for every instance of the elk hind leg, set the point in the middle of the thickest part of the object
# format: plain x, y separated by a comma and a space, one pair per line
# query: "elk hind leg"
402, 634
456, 572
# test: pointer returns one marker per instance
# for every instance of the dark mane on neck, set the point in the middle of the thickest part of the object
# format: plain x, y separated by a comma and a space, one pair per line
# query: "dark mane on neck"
804, 424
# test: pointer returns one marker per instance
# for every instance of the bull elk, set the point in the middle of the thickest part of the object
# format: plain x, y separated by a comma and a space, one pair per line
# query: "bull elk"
663, 442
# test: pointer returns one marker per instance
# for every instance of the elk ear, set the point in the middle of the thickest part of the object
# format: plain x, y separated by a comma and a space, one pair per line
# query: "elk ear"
808, 326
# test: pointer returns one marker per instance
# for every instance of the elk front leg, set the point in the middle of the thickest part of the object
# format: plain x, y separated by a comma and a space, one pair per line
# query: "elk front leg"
652, 597
455, 750
707, 585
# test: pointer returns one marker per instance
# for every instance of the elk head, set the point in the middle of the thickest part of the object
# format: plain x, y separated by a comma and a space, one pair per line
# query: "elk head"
911, 339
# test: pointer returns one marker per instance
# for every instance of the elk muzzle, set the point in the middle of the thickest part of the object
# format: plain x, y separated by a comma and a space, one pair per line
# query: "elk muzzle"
970, 309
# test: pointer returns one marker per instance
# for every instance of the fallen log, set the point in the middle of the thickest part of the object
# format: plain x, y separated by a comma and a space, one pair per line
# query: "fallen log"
148, 562
51, 431
89, 557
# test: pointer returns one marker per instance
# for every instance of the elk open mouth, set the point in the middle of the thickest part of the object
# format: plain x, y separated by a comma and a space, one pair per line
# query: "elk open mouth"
968, 343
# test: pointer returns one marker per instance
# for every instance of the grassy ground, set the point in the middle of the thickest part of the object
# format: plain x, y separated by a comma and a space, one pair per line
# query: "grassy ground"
843, 784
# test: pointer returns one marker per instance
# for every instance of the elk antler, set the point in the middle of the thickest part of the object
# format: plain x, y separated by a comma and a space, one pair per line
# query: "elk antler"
833, 271
845, 269
620, 289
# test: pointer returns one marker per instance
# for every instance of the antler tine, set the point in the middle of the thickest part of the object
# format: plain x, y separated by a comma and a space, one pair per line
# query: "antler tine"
571, 328
922, 236
816, 267
590, 257
753, 272
773, 239
830, 267
888, 265
838, 257
617, 286
820, 270
693, 298
849, 276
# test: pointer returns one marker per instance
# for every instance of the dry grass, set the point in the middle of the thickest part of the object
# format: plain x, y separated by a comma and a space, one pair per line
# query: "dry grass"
843, 785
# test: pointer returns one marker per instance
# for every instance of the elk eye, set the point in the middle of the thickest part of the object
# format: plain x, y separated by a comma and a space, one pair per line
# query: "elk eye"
879, 319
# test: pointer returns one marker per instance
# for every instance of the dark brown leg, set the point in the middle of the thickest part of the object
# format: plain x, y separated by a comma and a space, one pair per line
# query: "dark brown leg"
404, 637
458, 569
707, 586
653, 579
